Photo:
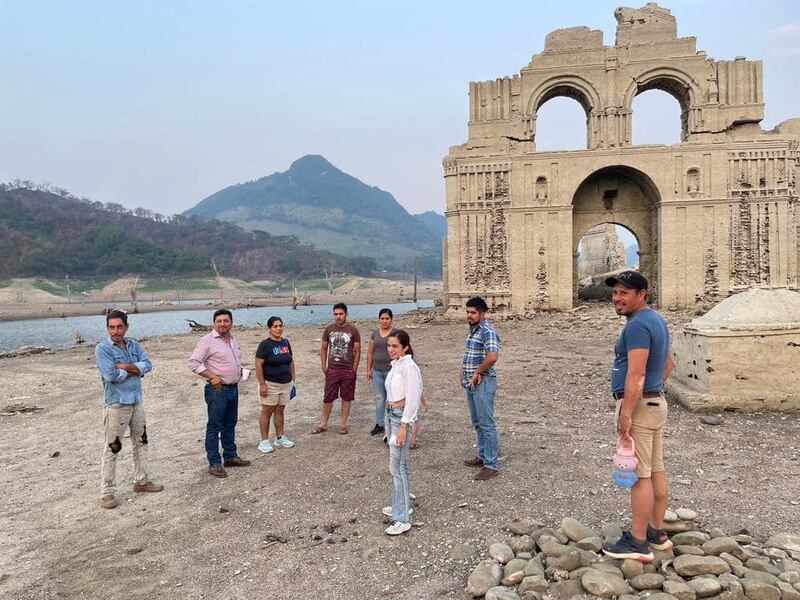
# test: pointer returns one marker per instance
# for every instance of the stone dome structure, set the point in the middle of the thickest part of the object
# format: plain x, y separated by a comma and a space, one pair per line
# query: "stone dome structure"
754, 310
744, 354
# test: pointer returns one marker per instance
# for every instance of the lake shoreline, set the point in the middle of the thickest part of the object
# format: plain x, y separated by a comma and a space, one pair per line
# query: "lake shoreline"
56, 332
51, 310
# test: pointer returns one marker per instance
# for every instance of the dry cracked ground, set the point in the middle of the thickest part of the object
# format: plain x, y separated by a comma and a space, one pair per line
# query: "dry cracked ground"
306, 523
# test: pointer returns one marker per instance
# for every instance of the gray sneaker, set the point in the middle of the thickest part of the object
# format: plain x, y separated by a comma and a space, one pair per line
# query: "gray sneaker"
284, 442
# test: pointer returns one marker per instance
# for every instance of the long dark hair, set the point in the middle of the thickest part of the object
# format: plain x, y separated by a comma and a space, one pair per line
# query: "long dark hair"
404, 340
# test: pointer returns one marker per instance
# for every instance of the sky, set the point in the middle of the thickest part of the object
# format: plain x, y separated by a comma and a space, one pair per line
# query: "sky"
160, 103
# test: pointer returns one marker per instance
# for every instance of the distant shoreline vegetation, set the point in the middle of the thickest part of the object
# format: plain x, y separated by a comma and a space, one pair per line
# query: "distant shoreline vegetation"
48, 231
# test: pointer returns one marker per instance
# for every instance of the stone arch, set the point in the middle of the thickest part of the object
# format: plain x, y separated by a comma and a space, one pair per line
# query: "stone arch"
678, 84
624, 196
569, 86
621, 222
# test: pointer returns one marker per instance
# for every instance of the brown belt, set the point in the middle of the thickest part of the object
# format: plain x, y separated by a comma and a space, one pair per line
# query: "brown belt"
621, 395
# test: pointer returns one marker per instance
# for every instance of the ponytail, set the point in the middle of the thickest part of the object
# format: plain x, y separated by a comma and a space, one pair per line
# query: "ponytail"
405, 341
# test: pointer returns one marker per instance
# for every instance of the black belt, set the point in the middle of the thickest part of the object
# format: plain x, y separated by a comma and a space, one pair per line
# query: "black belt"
225, 384
621, 395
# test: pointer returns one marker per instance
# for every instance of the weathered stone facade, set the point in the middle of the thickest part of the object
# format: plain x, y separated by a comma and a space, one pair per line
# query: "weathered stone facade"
713, 214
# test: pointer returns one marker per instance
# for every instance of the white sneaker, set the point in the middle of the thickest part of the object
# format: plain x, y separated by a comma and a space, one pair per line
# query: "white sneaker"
387, 511
284, 442
398, 527
265, 446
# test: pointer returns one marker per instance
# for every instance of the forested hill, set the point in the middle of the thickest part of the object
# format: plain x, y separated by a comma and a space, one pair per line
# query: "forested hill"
434, 221
325, 206
47, 235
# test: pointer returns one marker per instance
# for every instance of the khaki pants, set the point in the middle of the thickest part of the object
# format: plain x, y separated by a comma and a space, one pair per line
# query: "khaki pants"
116, 419
647, 430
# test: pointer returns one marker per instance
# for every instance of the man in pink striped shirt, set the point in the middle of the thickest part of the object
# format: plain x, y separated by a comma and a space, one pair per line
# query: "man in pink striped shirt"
218, 359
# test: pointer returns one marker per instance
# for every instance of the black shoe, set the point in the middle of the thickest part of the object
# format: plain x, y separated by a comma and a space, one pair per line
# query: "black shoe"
377, 430
629, 547
658, 539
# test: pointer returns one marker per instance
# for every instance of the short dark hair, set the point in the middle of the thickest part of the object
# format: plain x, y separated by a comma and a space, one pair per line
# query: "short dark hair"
386, 311
340, 305
117, 314
477, 303
220, 312
272, 320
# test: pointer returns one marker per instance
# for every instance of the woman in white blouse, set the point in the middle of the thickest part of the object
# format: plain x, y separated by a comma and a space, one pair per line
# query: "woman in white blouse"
403, 391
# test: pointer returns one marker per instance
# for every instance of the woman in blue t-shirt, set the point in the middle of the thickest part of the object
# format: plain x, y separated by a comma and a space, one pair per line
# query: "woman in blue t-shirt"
275, 373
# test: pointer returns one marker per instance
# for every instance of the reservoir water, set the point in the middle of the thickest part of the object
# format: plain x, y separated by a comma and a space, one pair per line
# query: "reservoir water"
60, 332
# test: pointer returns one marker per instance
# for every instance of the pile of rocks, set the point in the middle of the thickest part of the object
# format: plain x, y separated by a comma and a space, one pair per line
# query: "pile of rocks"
537, 562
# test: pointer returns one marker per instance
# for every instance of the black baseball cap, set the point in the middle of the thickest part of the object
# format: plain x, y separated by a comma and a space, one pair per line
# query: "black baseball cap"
630, 279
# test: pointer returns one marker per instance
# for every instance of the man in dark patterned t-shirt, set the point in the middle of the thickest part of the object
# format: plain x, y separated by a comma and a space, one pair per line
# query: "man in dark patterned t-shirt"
339, 356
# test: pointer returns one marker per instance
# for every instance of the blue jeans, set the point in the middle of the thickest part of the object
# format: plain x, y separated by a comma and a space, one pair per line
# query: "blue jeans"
398, 466
223, 411
481, 411
379, 387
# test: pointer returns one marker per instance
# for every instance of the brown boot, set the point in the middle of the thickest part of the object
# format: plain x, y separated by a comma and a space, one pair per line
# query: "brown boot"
217, 471
237, 461
147, 487
485, 473
474, 462
108, 501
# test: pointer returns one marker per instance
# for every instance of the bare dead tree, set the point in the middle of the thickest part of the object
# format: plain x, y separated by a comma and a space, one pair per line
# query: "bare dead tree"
218, 278
328, 277
414, 298
134, 294
69, 300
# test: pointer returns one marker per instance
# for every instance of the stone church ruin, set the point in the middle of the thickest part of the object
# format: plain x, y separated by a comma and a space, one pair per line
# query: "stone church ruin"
713, 214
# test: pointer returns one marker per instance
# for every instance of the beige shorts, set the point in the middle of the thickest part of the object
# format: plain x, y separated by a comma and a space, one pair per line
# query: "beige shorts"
277, 393
647, 430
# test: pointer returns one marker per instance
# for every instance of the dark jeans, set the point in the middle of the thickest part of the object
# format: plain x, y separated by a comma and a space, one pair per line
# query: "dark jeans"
223, 411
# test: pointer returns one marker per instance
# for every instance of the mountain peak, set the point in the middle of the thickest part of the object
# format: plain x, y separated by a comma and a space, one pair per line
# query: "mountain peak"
311, 164
322, 205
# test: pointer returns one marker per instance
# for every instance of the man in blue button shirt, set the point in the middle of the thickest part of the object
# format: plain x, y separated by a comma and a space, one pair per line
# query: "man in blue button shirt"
122, 363
478, 377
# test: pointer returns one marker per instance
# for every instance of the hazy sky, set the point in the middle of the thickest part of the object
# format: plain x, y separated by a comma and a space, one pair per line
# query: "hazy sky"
158, 104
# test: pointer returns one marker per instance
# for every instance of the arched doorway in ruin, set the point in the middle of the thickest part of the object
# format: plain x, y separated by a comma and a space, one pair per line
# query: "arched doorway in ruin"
625, 196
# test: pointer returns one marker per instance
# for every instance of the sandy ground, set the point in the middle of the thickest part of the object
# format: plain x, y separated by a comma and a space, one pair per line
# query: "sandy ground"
556, 428
22, 300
